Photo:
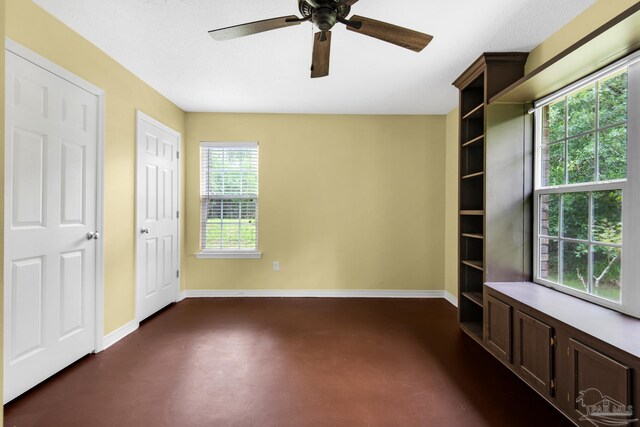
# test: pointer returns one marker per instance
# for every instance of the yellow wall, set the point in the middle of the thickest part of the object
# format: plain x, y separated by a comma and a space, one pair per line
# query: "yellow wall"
2, 25
593, 17
451, 205
346, 202
34, 28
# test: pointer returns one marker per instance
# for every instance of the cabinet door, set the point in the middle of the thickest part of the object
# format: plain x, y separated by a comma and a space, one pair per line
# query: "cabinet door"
497, 329
600, 387
534, 353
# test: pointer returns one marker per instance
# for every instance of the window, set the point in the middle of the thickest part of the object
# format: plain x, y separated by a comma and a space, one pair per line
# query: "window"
229, 200
586, 194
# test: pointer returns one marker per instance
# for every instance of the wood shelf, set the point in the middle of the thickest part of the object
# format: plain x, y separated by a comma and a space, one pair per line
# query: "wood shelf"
473, 264
473, 141
475, 112
473, 235
473, 329
473, 175
475, 297
489, 74
610, 42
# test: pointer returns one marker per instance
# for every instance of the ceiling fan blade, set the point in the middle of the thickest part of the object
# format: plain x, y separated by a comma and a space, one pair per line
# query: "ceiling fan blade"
404, 37
242, 30
321, 55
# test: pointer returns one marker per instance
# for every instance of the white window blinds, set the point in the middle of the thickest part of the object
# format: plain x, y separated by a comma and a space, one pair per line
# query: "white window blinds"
229, 196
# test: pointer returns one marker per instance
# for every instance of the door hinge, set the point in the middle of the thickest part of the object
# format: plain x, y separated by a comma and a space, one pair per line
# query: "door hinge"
553, 341
553, 384
177, 214
177, 154
178, 273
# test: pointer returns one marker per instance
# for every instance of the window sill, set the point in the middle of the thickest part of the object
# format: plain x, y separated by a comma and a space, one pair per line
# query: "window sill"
252, 254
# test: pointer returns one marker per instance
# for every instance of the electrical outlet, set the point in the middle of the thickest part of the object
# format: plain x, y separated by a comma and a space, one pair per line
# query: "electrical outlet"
276, 266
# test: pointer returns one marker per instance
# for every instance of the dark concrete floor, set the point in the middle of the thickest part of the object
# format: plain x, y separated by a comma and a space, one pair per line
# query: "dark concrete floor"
289, 362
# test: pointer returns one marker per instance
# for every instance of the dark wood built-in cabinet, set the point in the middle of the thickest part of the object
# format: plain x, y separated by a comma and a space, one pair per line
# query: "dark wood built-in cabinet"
535, 343
590, 370
573, 353
480, 147
498, 325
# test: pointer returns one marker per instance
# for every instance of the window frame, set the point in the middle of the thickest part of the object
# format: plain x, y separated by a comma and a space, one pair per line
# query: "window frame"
232, 253
630, 187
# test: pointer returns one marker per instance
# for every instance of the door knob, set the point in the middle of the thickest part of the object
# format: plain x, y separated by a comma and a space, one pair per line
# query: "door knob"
144, 230
93, 236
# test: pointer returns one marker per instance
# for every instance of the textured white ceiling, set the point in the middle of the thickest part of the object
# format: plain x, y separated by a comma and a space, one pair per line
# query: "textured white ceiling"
165, 43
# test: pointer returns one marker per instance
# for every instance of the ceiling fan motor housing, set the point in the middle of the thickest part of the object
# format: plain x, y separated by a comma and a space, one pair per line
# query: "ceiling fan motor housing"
324, 18
324, 13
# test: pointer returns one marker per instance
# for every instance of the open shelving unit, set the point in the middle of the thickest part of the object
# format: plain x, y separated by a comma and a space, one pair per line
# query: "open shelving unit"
471, 190
491, 73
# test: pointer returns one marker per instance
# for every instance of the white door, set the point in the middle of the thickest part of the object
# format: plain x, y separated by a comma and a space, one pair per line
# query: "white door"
50, 208
157, 214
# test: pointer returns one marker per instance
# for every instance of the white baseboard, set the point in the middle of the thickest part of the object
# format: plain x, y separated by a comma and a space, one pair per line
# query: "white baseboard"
311, 294
115, 336
181, 296
453, 300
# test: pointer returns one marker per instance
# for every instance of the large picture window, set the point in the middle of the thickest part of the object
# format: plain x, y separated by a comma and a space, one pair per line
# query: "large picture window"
586, 188
229, 199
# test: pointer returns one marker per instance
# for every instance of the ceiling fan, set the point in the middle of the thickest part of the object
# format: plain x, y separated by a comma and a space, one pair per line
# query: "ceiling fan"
325, 14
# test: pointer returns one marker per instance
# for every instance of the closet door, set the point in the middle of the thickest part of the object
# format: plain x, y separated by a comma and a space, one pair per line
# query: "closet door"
158, 283
50, 224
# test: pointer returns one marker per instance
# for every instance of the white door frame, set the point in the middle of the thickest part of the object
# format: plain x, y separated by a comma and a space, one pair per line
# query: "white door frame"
147, 118
64, 74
